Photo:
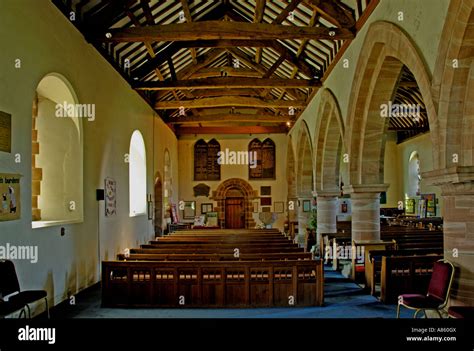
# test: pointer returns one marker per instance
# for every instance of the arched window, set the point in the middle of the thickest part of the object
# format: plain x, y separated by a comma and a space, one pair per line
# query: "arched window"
137, 175
57, 152
414, 175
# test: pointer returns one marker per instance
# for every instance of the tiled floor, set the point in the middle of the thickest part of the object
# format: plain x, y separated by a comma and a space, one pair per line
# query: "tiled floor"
343, 299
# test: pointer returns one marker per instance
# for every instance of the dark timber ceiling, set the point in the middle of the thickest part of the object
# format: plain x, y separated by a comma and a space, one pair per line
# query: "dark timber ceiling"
408, 93
221, 66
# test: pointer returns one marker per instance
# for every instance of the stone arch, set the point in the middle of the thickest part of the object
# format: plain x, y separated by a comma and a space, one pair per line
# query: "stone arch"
385, 51
304, 173
329, 137
453, 90
453, 86
229, 186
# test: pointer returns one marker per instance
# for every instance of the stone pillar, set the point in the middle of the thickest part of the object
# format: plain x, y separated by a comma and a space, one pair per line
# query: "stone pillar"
457, 184
327, 212
303, 219
365, 201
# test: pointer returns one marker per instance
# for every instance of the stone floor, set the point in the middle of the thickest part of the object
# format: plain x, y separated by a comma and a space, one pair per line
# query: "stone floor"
343, 299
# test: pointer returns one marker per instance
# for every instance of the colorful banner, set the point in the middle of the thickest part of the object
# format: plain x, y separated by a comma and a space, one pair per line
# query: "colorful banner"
10, 197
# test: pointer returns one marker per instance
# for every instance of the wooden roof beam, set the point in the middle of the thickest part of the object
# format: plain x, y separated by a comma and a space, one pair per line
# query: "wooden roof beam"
258, 17
228, 83
228, 101
226, 71
213, 30
229, 117
231, 130
189, 18
334, 12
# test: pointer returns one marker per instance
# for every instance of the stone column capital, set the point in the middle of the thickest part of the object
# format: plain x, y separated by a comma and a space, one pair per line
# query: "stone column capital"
365, 190
327, 193
452, 180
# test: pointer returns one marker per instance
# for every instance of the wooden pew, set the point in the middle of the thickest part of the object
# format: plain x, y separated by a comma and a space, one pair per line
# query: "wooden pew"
215, 257
240, 246
212, 284
213, 249
366, 246
405, 275
373, 265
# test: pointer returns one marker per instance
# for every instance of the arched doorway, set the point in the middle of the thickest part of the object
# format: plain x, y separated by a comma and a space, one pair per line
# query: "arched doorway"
234, 209
234, 203
158, 204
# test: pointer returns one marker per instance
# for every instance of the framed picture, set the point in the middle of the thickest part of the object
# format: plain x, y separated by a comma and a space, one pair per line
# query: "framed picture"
306, 205
189, 211
279, 207
255, 206
265, 201
205, 208
410, 206
266, 209
110, 197
265, 190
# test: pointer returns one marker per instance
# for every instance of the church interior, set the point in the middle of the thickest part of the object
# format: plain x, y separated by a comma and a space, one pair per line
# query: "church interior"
284, 159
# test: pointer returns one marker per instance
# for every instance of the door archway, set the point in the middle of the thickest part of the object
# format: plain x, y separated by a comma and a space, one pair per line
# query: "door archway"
229, 189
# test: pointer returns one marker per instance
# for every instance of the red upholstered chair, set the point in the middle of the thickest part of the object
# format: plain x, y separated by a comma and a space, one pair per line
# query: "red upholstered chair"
438, 291
9, 285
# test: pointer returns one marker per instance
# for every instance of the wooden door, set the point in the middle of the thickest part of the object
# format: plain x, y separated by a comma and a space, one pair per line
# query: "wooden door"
234, 213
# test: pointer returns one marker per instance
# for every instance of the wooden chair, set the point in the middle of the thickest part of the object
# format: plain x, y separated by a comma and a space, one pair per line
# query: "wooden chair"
438, 291
9, 285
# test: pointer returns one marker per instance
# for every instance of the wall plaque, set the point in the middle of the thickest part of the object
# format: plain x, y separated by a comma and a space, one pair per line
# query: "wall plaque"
201, 190
5, 132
